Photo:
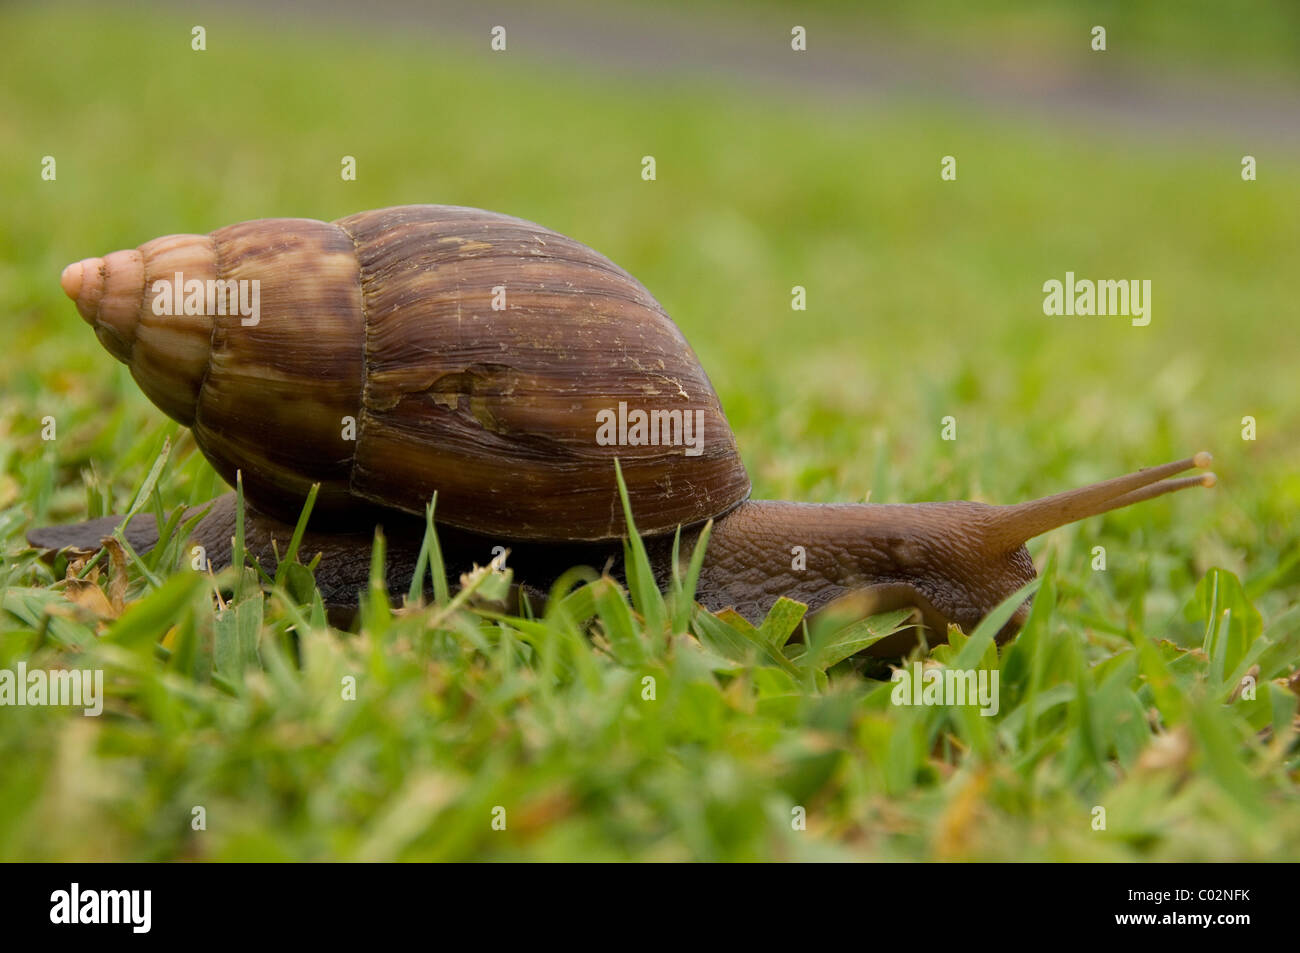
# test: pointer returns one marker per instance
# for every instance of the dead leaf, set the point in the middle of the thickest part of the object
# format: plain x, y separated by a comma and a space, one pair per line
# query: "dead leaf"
87, 595
117, 574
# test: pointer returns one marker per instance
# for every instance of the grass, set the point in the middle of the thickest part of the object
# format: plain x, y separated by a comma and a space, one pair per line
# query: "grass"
924, 301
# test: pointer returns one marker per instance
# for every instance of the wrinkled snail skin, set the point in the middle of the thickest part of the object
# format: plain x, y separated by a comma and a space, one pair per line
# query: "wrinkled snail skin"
473, 354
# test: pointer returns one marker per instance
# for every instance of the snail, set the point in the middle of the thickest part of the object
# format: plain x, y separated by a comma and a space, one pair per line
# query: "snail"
403, 351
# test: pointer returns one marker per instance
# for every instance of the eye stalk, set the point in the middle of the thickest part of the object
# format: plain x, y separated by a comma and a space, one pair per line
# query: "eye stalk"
1013, 525
975, 553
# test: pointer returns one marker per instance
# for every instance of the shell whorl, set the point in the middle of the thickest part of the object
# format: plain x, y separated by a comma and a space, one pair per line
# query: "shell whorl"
471, 353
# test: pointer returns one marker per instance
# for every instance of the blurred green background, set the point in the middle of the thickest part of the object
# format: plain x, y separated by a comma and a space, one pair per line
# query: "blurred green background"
774, 169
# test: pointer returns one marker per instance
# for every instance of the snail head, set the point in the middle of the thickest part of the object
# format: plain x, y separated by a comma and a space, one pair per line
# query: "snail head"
966, 558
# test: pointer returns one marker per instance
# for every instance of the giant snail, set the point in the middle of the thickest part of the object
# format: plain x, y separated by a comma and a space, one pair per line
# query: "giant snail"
491, 360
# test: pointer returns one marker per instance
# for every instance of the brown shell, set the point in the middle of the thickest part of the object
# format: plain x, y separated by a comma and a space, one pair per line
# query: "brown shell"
387, 319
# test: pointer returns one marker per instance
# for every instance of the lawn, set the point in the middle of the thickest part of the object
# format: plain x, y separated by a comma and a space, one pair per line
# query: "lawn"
924, 301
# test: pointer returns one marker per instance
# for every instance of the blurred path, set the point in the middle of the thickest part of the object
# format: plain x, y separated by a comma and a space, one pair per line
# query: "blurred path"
642, 38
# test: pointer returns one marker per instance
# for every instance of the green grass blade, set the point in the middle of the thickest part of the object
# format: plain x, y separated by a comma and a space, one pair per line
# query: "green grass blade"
647, 598
291, 554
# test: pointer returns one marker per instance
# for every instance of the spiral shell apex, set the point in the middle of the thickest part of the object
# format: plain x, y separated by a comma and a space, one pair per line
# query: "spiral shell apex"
399, 352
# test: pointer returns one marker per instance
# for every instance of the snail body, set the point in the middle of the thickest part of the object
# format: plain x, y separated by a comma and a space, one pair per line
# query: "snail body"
404, 351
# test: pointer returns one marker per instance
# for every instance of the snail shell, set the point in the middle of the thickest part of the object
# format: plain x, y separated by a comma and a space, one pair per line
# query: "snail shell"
386, 318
